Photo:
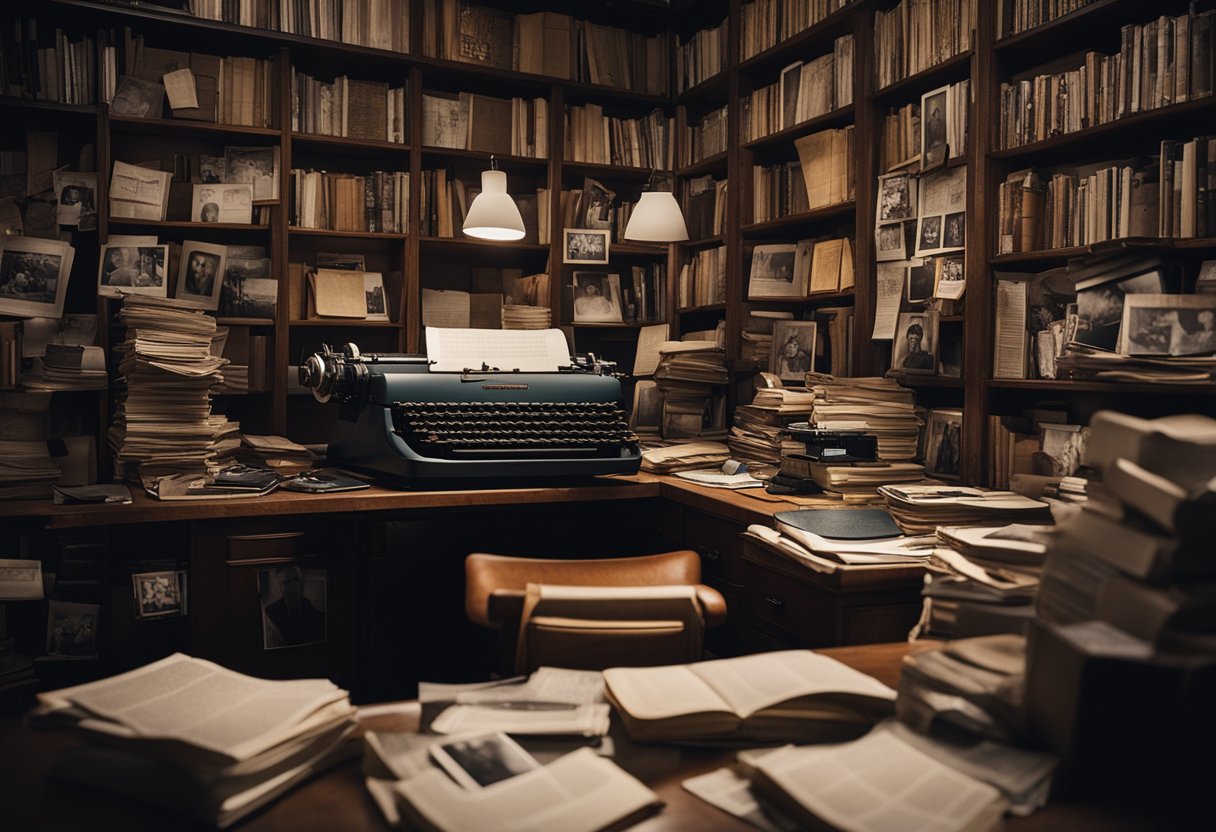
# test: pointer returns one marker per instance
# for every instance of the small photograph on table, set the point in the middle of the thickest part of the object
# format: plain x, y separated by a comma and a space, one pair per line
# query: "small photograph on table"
477, 762
293, 606
915, 344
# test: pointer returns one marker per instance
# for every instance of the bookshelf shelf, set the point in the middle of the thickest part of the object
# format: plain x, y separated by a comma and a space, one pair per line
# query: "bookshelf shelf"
817, 298
705, 242
193, 226
185, 127
343, 322
313, 141
1147, 245
1059, 387
839, 117
48, 106
429, 153
946, 72
944, 382
614, 324
794, 221
467, 244
1115, 136
808, 42
700, 310
711, 164
618, 171
244, 321
711, 90
638, 249
296, 231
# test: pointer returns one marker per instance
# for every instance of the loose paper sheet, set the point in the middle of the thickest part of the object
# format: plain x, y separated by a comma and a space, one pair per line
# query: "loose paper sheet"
180, 88
1009, 357
650, 338
445, 308
340, 294
890, 290
20, 579
529, 351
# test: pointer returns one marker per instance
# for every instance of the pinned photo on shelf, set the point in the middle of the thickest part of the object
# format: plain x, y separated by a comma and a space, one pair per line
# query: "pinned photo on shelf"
597, 297
222, 204
915, 345
890, 242
896, 198
76, 199
136, 270
934, 114
949, 278
772, 273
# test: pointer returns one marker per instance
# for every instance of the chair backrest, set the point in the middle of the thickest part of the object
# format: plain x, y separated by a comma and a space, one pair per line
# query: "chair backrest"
544, 619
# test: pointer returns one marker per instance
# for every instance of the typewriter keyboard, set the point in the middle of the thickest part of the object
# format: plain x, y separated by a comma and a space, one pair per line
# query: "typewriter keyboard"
486, 430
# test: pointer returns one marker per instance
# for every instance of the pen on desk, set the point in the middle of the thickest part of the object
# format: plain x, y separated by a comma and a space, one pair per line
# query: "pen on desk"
527, 705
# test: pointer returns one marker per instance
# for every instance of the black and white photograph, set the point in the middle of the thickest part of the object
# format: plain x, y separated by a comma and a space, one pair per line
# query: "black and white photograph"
944, 444
1164, 325
596, 205
257, 167
159, 594
793, 354
647, 415
222, 203
914, 347
34, 276
71, 630
928, 235
243, 296
920, 281
597, 297
791, 89
377, 305
136, 98
293, 606
1100, 308
137, 270
890, 242
212, 170
942, 198
586, 245
477, 762
1063, 449
934, 112
950, 277
772, 273
201, 275
954, 236
76, 198
896, 197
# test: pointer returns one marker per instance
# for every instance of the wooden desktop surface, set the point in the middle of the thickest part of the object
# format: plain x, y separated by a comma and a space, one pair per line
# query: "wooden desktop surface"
338, 800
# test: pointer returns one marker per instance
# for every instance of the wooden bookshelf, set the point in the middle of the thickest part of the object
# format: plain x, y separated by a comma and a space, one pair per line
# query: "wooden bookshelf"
792, 222
185, 127
839, 117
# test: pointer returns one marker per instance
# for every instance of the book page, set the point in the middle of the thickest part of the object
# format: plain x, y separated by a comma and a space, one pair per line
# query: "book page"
577, 720
446, 308
751, 683
650, 338
529, 351
661, 692
1009, 347
729, 790
890, 289
340, 294
547, 684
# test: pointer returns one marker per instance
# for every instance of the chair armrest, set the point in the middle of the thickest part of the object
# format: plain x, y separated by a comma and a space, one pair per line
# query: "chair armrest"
713, 605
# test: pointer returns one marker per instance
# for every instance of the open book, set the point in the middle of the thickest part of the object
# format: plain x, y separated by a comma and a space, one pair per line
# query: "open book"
792, 695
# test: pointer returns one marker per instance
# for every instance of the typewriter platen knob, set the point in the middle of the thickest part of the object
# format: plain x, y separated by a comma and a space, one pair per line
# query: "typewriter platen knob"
313, 375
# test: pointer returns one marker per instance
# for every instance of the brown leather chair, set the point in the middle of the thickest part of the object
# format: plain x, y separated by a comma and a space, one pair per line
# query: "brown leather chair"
591, 632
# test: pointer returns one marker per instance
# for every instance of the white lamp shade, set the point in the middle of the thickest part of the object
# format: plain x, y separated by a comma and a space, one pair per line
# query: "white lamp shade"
493, 214
656, 219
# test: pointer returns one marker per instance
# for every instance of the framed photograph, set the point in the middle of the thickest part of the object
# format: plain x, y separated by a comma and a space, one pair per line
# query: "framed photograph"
212, 170
257, 167
933, 117
949, 278
791, 89
954, 234
76, 199
201, 275
71, 630
595, 208
896, 198
890, 242
34, 276
136, 98
586, 245
647, 415
477, 762
246, 296
793, 354
914, 348
772, 273
293, 606
222, 203
377, 303
920, 281
944, 444
159, 594
597, 297
928, 235
136, 270
1100, 308
1164, 325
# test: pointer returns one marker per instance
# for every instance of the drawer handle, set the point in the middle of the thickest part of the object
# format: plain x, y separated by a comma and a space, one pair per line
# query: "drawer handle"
776, 602
709, 554
271, 536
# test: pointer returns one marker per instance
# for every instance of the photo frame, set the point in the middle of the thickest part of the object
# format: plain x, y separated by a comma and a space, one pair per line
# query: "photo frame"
71, 630
943, 447
1168, 325
914, 348
791, 90
136, 270
793, 354
377, 300
595, 205
257, 167
934, 116
772, 274
34, 276
890, 242
896, 198
159, 594
597, 298
200, 275
294, 606
587, 246
480, 761
647, 414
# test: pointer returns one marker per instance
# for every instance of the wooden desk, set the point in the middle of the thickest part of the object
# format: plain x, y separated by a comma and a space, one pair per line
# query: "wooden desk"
338, 800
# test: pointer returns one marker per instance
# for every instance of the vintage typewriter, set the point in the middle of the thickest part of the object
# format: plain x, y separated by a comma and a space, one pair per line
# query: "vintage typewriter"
404, 422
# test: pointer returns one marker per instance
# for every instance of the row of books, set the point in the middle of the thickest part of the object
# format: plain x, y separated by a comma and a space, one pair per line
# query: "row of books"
1015, 16
702, 280
901, 137
1162, 62
798, 270
545, 43
765, 23
822, 176
701, 57
63, 71
376, 24
469, 121
804, 90
347, 108
378, 201
1040, 442
704, 206
644, 142
707, 137
915, 35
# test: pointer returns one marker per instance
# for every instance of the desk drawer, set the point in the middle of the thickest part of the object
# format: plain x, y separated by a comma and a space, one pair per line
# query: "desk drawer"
799, 613
719, 544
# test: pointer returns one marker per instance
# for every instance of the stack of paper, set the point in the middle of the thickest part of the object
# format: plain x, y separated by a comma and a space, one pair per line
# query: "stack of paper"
684, 457
65, 367
199, 739
880, 407
805, 528
920, 509
758, 434
1081, 361
163, 422
276, 452
852, 481
518, 316
693, 361
26, 469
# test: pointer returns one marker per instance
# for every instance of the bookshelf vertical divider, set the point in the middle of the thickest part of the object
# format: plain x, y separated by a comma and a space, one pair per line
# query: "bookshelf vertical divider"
866, 119
411, 266
280, 248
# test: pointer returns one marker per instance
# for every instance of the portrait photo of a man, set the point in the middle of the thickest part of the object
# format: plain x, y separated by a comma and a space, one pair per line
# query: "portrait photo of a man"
916, 345
293, 606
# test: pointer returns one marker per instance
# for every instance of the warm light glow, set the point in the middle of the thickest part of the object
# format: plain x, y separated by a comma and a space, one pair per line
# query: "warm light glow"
493, 214
656, 219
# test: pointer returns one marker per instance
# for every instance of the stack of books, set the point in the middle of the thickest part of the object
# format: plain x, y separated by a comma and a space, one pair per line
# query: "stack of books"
197, 738
275, 452
27, 470
757, 335
920, 509
853, 482
758, 434
880, 407
163, 422
686, 456
688, 374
